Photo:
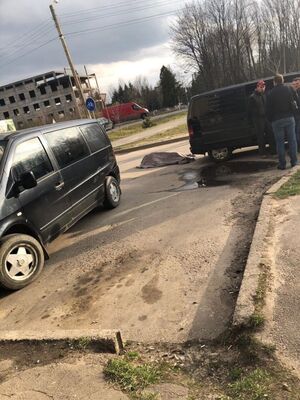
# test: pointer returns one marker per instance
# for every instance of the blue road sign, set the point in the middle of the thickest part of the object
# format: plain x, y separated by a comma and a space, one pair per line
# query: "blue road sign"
90, 104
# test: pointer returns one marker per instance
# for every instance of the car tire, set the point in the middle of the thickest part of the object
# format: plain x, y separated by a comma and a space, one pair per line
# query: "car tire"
21, 261
112, 193
144, 116
220, 154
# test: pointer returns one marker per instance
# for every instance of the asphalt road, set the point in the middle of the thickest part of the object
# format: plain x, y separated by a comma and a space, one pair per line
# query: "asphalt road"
166, 265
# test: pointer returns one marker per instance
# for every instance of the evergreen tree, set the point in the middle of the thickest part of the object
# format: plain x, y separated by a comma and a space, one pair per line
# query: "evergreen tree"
169, 87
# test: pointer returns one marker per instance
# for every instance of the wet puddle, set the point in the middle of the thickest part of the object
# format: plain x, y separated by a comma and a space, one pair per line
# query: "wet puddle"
222, 174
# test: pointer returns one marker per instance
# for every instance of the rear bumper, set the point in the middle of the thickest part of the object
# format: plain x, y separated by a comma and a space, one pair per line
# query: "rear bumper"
199, 145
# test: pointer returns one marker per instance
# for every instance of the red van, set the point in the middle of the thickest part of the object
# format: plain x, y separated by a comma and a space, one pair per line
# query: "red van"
124, 112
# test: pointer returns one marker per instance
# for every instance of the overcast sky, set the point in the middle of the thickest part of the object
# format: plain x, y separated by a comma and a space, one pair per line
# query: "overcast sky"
117, 47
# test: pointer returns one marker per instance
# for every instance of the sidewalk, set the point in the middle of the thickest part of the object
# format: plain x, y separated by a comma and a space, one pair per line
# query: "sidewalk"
283, 323
146, 133
269, 298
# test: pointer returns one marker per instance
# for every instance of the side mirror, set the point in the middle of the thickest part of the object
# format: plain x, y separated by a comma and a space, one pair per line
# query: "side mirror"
27, 180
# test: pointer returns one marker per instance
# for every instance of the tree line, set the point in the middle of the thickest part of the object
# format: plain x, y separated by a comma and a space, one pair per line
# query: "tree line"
167, 93
231, 41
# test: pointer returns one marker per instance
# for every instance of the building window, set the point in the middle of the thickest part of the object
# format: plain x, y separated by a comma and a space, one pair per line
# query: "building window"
61, 114
42, 89
47, 103
36, 106
57, 101
22, 96
53, 87
68, 98
12, 99
20, 125
26, 110
32, 93
2, 102
6, 114
16, 112
72, 110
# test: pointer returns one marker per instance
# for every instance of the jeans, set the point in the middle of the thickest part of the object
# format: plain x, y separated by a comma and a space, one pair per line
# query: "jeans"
282, 127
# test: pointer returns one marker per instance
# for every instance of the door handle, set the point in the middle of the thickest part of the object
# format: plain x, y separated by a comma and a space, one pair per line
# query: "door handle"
59, 185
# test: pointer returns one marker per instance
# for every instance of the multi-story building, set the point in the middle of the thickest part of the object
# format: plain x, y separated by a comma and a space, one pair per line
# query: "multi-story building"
43, 99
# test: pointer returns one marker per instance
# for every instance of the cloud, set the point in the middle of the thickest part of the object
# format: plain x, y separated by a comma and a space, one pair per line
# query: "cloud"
114, 49
146, 63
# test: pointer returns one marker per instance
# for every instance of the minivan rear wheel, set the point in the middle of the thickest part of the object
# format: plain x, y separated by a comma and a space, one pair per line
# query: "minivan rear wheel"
220, 154
21, 261
112, 193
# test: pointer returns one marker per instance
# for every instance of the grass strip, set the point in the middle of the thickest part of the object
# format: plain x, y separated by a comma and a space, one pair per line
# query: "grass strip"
133, 129
180, 130
290, 188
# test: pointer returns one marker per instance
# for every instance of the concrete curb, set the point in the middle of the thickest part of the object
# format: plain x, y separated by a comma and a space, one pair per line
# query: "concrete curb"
106, 340
149, 145
245, 305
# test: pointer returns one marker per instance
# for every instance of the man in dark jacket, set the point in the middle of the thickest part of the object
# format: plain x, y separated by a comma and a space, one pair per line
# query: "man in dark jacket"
296, 87
258, 118
280, 112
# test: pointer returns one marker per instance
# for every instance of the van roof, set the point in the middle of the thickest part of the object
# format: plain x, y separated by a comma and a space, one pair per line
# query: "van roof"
242, 84
46, 128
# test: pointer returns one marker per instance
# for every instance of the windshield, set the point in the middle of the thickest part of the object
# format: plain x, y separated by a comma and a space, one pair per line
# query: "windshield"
2, 148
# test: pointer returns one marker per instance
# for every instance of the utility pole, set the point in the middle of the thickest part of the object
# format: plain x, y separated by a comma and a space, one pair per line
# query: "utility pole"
68, 55
90, 87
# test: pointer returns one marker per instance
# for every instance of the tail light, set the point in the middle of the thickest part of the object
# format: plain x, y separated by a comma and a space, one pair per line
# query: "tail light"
190, 128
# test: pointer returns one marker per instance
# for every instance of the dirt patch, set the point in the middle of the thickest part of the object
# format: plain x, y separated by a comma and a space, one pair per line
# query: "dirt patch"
150, 293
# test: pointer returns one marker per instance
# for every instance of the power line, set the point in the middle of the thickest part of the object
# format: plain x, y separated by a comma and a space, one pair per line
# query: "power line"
28, 42
124, 12
27, 35
92, 10
106, 27
120, 24
28, 52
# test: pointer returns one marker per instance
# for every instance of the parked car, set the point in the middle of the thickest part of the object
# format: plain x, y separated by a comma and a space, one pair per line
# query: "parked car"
125, 112
50, 177
218, 120
107, 123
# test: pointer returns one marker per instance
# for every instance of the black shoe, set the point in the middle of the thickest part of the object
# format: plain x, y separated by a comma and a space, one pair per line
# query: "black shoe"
280, 167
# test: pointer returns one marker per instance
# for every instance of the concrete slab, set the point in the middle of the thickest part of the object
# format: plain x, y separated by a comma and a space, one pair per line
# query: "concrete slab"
106, 340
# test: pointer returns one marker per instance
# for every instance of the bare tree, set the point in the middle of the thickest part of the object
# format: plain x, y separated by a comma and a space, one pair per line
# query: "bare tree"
230, 41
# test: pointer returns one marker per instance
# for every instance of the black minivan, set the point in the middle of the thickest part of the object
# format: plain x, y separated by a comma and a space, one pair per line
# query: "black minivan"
218, 120
51, 176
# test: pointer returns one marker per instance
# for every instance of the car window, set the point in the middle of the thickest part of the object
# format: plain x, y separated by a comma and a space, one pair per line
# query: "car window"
31, 156
67, 145
136, 107
94, 136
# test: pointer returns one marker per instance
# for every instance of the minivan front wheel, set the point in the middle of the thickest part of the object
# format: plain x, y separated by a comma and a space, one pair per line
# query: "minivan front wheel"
112, 193
220, 154
21, 261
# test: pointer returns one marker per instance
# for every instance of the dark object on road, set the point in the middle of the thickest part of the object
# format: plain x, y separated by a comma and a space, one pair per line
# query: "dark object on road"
218, 120
51, 176
161, 159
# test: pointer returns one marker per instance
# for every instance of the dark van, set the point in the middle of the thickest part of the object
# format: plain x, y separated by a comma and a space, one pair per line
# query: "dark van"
218, 120
51, 176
